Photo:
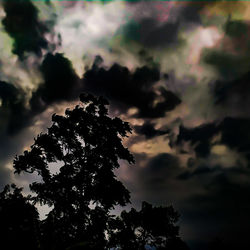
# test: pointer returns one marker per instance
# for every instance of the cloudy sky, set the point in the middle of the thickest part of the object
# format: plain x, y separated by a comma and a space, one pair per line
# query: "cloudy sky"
179, 72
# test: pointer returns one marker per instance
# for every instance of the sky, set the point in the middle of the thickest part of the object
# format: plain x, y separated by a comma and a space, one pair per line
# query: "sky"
178, 71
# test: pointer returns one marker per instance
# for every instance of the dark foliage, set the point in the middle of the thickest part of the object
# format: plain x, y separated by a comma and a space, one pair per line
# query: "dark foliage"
153, 226
87, 144
75, 159
19, 220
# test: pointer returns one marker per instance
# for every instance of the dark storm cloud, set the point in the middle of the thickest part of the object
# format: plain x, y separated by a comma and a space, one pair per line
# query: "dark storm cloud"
223, 207
149, 131
131, 89
161, 162
236, 134
153, 178
159, 168
12, 108
236, 28
227, 64
60, 82
190, 14
222, 204
152, 34
199, 137
22, 24
233, 132
234, 96
60, 78
201, 170
157, 25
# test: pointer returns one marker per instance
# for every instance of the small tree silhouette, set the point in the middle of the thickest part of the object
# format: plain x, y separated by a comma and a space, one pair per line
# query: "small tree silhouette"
19, 225
86, 144
152, 226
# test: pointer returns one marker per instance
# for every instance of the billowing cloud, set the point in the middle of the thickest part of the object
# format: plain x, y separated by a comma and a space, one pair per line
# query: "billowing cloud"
231, 96
199, 137
60, 82
149, 131
22, 24
131, 89
87, 29
232, 132
151, 34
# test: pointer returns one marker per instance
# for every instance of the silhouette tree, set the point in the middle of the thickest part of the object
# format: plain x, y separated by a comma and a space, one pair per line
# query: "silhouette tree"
153, 226
75, 159
19, 227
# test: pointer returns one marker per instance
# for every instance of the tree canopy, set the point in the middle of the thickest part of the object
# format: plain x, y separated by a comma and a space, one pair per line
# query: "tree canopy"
86, 144
75, 159
19, 220
152, 226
